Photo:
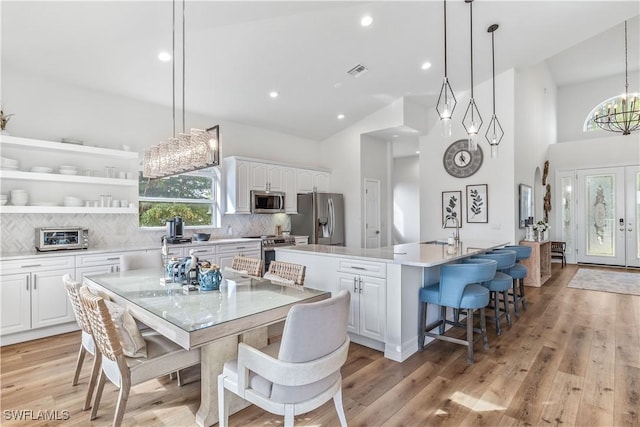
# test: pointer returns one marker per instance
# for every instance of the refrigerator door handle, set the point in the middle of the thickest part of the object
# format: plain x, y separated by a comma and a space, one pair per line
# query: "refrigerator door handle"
332, 217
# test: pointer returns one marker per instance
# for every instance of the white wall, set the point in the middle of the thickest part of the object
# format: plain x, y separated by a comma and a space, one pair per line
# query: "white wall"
406, 199
576, 101
497, 173
535, 117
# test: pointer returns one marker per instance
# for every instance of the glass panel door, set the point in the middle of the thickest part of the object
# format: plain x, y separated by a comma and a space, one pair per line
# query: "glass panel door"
600, 211
632, 218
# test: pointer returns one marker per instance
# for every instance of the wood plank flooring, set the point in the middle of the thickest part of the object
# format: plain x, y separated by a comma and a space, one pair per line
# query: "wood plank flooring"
571, 359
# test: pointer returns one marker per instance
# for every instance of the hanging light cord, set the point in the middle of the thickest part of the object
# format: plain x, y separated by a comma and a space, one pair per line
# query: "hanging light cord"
184, 77
493, 72
626, 64
471, 31
445, 39
173, 64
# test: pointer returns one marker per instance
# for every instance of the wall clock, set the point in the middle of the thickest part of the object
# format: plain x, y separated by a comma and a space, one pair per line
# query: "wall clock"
459, 161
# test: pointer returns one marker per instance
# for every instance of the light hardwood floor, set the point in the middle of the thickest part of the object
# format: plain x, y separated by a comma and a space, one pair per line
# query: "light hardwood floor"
572, 359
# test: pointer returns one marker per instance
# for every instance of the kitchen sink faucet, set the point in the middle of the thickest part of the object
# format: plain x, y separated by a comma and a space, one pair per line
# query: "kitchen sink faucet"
457, 224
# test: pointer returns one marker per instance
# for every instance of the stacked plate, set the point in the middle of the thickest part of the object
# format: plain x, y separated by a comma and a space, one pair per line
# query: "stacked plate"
72, 201
41, 169
19, 197
68, 170
3, 199
10, 164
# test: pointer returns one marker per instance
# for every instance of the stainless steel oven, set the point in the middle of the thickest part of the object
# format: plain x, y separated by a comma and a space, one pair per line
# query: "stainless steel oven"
269, 243
61, 238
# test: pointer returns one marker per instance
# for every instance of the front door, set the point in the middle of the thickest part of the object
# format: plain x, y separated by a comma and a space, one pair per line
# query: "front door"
607, 216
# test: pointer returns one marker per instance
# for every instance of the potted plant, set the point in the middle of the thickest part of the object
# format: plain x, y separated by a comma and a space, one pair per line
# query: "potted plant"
4, 119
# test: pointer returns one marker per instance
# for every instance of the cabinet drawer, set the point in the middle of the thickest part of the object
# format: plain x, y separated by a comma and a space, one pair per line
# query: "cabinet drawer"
30, 265
101, 259
363, 268
239, 247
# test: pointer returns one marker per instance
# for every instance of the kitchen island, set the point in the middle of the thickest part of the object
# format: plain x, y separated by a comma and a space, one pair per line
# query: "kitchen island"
384, 284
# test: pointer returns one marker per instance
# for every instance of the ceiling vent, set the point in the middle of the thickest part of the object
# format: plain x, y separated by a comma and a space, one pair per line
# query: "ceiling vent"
358, 70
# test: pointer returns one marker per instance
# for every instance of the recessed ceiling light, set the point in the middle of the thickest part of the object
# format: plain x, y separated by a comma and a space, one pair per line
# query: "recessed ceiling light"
337, 85
426, 65
273, 94
366, 21
164, 56
418, 152
396, 136
340, 116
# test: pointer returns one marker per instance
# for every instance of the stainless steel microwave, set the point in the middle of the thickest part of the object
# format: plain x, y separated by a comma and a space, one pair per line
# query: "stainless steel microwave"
267, 201
61, 238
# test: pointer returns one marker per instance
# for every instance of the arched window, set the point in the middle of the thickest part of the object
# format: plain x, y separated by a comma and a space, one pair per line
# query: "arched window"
604, 108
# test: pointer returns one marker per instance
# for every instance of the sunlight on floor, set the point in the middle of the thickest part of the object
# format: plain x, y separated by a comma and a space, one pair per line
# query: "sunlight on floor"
474, 403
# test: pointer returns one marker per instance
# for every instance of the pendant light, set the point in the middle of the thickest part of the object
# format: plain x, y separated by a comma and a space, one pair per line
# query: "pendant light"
620, 114
494, 132
472, 120
447, 100
188, 152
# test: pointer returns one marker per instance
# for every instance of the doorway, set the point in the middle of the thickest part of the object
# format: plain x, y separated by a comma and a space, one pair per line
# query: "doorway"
372, 213
607, 215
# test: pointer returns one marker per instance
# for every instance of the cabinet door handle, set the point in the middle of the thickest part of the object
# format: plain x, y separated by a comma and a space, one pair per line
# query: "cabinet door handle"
360, 284
117, 258
355, 267
355, 286
35, 282
30, 266
27, 282
199, 251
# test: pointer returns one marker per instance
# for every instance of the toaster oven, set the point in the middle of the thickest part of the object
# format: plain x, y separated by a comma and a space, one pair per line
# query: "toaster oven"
61, 238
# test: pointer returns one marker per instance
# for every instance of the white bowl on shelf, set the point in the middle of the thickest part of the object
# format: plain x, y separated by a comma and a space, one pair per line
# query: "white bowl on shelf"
41, 169
68, 172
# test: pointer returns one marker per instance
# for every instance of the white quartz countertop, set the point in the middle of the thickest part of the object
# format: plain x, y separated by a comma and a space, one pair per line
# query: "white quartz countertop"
96, 251
415, 254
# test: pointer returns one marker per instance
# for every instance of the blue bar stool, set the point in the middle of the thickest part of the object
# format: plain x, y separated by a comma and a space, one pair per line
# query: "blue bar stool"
518, 272
458, 288
501, 283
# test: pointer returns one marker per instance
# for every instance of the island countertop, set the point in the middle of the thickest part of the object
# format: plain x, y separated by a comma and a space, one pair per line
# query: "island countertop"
415, 254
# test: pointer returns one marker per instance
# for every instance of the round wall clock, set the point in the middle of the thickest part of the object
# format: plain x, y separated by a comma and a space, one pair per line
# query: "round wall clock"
459, 161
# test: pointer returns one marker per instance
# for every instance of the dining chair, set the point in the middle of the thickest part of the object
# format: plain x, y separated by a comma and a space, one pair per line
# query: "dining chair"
459, 288
163, 355
518, 273
138, 261
558, 251
286, 272
252, 266
87, 344
300, 373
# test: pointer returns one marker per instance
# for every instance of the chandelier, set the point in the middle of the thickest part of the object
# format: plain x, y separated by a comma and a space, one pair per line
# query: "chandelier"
622, 113
187, 152
447, 100
472, 120
494, 132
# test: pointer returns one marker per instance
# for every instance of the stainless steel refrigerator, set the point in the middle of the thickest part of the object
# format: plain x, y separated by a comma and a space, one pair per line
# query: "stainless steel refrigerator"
321, 217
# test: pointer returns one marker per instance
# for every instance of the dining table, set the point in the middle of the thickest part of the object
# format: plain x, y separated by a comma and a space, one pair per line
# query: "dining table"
214, 322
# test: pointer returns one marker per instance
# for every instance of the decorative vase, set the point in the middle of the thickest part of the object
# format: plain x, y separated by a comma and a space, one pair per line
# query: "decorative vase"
539, 236
209, 279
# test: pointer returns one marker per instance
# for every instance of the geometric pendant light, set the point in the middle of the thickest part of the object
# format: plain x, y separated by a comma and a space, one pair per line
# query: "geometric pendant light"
447, 100
472, 120
494, 132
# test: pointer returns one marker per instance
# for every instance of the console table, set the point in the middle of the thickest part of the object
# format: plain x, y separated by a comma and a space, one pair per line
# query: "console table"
538, 264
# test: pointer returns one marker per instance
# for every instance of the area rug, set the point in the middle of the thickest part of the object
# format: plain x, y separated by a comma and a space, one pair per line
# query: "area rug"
606, 281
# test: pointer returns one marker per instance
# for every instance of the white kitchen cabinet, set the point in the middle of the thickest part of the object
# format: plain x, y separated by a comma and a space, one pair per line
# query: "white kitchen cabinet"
308, 181
302, 240
243, 175
227, 251
33, 295
367, 283
47, 190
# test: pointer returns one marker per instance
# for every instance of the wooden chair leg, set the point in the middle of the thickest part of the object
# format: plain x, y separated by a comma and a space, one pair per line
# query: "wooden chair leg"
96, 401
123, 396
95, 372
223, 403
80, 361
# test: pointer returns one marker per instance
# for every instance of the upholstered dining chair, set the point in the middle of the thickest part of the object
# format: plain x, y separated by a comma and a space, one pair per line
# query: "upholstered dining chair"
249, 266
286, 272
162, 355
138, 261
300, 373
518, 273
87, 344
459, 288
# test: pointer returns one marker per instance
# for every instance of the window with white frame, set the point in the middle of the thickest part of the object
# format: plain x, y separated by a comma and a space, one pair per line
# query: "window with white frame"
192, 196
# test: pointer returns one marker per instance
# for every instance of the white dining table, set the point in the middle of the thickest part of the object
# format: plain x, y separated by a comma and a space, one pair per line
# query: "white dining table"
213, 321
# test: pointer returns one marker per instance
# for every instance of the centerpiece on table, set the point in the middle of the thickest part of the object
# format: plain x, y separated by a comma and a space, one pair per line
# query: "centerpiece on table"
209, 276
540, 227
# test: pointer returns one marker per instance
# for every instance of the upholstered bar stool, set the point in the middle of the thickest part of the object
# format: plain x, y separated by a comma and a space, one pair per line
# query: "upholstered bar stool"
500, 284
518, 272
459, 289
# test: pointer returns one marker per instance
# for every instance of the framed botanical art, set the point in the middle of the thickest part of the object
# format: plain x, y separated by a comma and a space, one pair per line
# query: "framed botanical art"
451, 208
477, 203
